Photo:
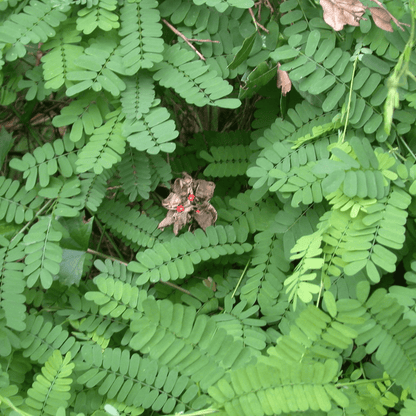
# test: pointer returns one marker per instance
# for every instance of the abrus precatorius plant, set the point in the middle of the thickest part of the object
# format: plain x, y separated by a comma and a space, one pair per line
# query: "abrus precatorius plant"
296, 292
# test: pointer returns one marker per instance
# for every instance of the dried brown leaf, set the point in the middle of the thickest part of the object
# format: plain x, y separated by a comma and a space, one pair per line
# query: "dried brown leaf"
338, 13
209, 282
283, 80
206, 216
204, 190
180, 220
172, 201
168, 220
183, 186
381, 18
189, 200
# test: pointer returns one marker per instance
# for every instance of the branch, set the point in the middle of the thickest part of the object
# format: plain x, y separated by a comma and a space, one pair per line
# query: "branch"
174, 30
256, 23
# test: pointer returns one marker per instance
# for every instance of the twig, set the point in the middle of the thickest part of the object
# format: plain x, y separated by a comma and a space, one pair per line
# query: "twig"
181, 289
256, 23
268, 5
97, 253
204, 40
39, 54
174, 30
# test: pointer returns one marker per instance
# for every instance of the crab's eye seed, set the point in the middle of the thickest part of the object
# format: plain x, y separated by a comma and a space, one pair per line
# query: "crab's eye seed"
180, 208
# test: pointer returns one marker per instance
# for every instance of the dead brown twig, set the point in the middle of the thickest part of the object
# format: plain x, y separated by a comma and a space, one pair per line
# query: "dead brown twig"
188, 41
266, 3
256, 23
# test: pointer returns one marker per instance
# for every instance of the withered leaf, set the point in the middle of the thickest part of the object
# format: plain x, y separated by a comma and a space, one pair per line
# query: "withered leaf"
172, 201
183, 187
206, 216
381, 18
204, 190
338, 13
180, 219
189, 200
283, 80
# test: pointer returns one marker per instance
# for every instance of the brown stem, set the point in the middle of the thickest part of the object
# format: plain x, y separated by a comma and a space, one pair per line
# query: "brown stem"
174, 30
39, 54
204, 40
256, 22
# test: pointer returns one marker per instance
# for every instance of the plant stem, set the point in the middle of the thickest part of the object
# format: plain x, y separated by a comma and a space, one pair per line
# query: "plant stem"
358, 382
174, 30
349, 100
241, 278
37, 215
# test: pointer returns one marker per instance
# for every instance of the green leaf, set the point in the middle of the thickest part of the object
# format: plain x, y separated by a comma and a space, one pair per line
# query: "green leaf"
330, 303
77, 88
376, 64
346, 158
284, 52
258, 78
71, 267
312, 43
333, 181
333, 97
244, 51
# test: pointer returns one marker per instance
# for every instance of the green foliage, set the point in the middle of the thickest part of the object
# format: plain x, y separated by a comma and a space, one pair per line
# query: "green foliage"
175, 259
281, 389
300, 299
51, 389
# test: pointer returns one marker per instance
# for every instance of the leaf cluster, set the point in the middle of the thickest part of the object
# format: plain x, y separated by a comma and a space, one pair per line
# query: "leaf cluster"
282, 133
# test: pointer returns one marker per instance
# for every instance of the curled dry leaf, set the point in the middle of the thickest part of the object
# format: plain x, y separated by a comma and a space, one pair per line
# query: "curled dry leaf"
338, 13
381, 18
189, 200
283, 80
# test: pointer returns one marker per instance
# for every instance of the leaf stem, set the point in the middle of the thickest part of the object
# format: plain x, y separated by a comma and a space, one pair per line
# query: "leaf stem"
256, 23
407, 147
241, 278
349, 100
358, 382
197, 413
400, 69
97, 253
23, 229
10, 404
